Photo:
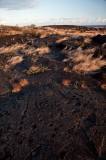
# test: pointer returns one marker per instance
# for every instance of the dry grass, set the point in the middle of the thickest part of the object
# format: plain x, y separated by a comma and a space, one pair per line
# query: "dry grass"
87, 40
62, 39
36, 32
73, 32
67, 69
15, 28
9, 30
16, 88
85, 63
13, 62
29, 51
33, 32
44, 32
11, 49
37, 69
3, 35
32, 51
103, 86
23, 82
43, 50
29, 30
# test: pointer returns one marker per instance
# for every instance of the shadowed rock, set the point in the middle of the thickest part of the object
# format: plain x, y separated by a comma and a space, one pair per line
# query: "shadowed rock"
99, 39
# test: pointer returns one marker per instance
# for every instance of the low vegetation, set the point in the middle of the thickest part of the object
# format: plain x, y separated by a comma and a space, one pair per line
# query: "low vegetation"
86, 63
33, 32
37, 69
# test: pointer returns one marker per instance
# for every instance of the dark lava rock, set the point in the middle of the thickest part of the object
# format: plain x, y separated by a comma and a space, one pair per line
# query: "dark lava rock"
80, 38
96, 75
97, 53
86, 46
47, 121
104, 46
29, 43
104, 50
13, 39
39, 43
60, 46
99, 39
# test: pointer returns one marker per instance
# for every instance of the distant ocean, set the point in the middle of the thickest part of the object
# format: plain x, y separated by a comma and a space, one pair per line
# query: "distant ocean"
95, 25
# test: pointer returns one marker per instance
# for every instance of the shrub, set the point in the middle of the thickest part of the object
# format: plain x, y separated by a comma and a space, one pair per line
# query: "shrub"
3, 35
37, 69
32, 32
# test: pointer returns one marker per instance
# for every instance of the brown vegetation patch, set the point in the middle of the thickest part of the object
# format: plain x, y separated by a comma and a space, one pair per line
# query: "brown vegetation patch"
23, 82
16, 88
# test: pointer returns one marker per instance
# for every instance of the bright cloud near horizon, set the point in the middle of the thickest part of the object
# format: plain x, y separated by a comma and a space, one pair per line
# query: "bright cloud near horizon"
46, 12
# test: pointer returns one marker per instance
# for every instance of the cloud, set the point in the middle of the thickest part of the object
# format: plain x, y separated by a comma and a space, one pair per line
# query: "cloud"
65, 21
52, 21
101, 20
18, 5
73, 21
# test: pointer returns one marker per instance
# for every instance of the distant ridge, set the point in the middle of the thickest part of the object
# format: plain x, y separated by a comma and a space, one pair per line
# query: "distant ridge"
64, 26
75, 26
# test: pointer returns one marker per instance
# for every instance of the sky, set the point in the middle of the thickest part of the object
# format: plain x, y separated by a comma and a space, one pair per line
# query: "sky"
53, 12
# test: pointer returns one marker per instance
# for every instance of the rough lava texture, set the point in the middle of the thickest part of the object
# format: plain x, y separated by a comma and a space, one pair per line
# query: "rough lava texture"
48, 110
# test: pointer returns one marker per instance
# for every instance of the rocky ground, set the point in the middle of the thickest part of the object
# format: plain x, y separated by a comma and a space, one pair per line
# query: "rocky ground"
53, 93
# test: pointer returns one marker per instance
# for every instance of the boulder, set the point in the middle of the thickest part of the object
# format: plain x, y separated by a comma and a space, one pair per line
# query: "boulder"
96, 75
99, 39
104, 46
60, 46
104, 49
29, 43
96, 53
